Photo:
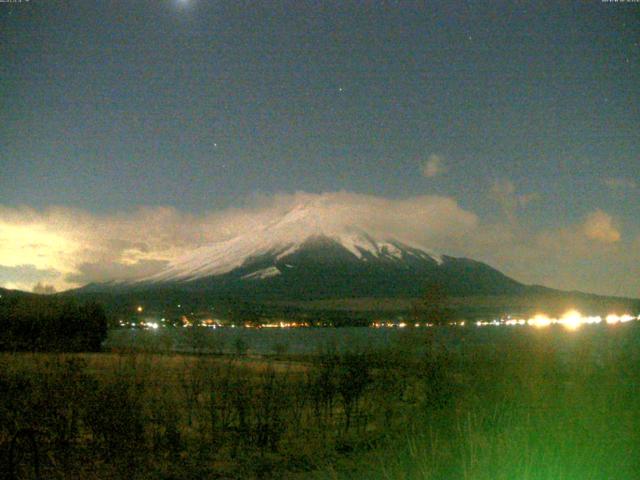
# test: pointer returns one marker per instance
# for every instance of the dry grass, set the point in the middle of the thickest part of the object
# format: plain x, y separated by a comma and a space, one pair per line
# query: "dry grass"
542, 405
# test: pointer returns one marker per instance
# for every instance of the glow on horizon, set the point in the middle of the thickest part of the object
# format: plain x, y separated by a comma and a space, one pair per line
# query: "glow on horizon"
612, 319
33, 244
540, 321
571, 320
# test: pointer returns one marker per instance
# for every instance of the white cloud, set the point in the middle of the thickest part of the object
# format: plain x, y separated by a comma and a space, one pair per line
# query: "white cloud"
76, 247
599, 226
21, 277
590, 255
68, 247
434, 166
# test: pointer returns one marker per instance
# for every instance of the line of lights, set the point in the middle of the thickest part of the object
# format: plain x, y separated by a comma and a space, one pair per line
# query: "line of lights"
571, 320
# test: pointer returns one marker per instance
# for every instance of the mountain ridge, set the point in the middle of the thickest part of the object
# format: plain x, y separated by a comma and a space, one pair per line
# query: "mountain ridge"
306, 255
329, 267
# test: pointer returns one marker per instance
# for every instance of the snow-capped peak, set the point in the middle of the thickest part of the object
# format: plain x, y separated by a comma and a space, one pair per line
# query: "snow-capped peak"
280, 238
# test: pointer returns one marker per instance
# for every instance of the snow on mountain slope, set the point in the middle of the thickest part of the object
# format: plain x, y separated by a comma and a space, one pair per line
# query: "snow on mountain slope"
263, 273
279, 239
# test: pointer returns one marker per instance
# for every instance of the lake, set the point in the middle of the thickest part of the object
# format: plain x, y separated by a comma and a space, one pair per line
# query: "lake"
600, 339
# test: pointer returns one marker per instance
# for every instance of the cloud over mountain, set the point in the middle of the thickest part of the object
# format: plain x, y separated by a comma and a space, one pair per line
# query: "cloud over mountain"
76, 247
70, 247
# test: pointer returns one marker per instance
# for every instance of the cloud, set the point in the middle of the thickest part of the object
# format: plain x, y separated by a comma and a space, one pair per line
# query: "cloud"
24, 276
434, 166
424, 219
105, 271
26, 273
599, 226
75, 247
66, 248
504, 192
620, 183
590, 255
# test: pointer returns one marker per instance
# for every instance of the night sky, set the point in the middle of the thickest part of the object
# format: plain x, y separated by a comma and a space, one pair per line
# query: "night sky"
122, 114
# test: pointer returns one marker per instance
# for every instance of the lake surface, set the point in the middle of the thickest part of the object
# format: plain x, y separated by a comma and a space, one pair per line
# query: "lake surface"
599, 339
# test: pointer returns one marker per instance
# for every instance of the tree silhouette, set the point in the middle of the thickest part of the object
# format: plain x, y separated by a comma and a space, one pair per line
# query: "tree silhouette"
44, 323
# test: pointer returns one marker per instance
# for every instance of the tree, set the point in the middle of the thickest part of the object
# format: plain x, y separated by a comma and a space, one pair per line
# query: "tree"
94, 321
51, 324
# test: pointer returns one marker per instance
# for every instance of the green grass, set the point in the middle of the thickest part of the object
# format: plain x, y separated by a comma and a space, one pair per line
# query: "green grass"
524, 411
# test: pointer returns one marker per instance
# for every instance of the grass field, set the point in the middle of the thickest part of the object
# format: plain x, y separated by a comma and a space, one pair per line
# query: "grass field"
539, 404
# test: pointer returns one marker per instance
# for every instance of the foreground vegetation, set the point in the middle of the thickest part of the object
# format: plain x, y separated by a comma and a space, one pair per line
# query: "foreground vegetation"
542, 404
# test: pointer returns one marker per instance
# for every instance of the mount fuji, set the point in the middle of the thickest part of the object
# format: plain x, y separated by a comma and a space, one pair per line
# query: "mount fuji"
309, 253
312, 259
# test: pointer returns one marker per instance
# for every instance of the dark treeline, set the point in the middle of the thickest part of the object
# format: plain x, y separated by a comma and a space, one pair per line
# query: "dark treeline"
40, 323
